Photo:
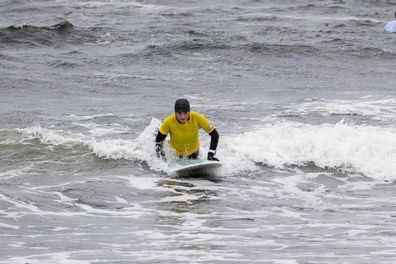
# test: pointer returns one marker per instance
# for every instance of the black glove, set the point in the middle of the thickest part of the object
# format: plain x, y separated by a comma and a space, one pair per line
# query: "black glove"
160, 151
212, 157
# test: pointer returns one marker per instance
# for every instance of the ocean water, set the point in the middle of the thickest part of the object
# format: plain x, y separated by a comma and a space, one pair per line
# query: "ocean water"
301, 92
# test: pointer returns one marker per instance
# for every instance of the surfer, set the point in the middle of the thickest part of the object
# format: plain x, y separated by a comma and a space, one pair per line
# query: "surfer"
183, 127
391, 26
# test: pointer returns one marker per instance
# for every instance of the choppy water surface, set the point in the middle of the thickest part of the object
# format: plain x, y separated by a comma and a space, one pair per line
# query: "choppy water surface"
302, 93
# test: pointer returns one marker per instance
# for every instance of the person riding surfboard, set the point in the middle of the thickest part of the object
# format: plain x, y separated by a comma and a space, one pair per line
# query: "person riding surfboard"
183, 126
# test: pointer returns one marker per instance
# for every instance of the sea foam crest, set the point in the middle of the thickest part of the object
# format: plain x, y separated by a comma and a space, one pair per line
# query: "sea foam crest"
378, 109
368, 150
123, 4
352, 148
141, 149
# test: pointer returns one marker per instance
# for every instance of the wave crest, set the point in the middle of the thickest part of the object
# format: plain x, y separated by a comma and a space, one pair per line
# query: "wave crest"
361, 149
58, 34
352, 148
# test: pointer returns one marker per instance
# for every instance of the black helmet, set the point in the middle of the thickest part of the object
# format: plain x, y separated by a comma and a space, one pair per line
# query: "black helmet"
182, 105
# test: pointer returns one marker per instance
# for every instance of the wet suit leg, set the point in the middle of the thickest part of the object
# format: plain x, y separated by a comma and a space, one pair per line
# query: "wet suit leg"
214, 141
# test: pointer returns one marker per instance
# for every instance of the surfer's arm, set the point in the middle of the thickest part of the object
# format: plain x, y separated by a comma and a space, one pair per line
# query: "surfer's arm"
159, 143
214, 141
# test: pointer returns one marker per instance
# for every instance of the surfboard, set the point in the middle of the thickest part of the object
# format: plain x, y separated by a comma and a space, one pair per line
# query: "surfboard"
186, 165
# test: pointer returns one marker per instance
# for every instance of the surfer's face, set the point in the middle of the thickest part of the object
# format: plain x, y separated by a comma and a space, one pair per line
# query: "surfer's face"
182, 117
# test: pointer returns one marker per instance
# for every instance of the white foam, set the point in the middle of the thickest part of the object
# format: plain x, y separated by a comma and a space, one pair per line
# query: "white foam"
123, 4
15, 173
98, 130
354, 148
8, 226
89, 117
317, 18
290, 186
139, 149
56, 257
377, 109
52, 137
120, 200
142, 183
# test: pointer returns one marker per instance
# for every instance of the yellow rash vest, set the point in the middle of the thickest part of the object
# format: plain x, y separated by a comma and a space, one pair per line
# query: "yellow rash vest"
184, 137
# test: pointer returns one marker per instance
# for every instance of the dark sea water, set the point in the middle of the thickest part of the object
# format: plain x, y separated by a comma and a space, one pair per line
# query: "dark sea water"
302, 94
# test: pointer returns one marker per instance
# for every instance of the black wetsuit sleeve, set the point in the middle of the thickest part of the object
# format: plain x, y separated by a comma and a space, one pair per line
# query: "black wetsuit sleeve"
159, 142
214, 141
160, 137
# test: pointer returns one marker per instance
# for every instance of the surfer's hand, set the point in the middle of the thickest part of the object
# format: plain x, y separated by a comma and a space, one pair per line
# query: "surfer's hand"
212, 157
160, 151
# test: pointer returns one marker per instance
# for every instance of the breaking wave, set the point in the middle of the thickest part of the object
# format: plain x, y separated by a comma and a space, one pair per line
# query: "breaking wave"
362, 149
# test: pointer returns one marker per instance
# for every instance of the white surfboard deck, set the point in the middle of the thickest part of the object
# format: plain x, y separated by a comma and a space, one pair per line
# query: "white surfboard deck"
185, 165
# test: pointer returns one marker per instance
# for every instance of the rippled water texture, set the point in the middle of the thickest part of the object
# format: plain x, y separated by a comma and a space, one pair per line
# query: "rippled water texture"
301, 92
